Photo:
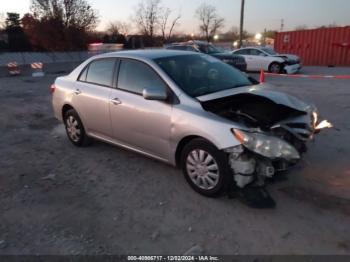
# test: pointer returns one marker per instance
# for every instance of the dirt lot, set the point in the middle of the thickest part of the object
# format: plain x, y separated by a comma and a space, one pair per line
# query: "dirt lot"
58, 199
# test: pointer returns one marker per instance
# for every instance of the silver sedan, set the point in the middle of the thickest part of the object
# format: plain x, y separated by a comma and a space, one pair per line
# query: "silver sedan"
189, 110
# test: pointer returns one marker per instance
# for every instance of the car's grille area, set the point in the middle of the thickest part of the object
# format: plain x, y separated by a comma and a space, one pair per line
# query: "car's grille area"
291, 62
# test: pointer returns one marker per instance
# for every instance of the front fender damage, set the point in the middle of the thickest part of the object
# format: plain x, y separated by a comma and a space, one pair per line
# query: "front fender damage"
249, 168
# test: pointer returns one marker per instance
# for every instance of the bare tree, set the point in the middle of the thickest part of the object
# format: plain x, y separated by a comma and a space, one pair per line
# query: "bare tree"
73, 13
2, 21
118, 27
147, 16
210, 21
163, 21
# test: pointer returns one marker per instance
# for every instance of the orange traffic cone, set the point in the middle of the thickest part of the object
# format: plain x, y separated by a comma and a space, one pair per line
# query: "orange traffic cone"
262, 76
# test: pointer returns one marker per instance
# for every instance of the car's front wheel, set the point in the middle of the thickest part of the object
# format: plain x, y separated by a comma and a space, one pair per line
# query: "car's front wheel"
206, 168
75, 129
275, 68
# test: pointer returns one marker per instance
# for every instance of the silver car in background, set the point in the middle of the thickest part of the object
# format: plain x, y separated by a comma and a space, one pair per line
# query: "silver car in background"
189, 110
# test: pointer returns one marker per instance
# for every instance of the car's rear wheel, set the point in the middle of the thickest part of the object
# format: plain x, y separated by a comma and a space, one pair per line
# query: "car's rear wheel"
275, 68
206, 168
75, 129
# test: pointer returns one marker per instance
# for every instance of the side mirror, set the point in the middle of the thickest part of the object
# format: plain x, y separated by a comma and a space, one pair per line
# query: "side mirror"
155, 93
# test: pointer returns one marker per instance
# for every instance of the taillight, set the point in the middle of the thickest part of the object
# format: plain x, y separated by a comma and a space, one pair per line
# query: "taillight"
52, 88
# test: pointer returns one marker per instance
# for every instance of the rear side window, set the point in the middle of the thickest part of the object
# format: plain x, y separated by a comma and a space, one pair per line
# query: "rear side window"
242, 52
100, 72
83, 75
135, 76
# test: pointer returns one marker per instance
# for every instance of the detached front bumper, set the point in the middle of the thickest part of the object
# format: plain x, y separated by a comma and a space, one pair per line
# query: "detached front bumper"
248, 167
292, 69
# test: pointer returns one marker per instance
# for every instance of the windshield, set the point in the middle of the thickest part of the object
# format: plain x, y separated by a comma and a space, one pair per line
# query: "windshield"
269, 51
199, 75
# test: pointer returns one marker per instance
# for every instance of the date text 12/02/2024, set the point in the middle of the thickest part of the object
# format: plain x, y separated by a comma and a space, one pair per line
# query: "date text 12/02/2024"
173, 258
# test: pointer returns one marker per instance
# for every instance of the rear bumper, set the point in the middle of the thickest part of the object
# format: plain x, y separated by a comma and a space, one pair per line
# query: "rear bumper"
57, 108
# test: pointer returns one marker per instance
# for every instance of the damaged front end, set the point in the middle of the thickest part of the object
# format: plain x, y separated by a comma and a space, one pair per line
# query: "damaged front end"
277, 129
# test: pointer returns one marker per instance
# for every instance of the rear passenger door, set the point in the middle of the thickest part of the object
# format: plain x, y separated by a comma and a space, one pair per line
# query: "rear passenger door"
91, 96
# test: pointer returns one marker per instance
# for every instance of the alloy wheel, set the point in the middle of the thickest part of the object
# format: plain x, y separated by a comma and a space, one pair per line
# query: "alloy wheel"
73, 128
202, 169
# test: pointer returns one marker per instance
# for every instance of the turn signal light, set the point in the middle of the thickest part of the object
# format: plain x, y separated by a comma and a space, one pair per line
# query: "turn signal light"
239, 135
52, 88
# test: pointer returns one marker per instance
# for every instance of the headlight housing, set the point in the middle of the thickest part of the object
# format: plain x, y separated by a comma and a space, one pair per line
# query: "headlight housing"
267, 146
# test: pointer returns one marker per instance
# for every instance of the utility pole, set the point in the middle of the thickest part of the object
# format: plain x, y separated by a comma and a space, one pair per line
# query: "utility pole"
241, 25
282, 25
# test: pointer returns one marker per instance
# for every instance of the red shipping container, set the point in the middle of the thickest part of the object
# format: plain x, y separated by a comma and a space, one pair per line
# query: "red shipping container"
319, 47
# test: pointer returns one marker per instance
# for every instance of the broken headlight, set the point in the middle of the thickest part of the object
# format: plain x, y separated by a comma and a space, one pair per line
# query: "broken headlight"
267, 146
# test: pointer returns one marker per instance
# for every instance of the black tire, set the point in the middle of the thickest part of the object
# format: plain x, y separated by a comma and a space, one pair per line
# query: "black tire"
81, 139
275, 68
225, 175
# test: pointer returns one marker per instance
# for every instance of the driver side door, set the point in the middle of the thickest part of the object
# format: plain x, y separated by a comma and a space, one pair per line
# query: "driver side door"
137, 123
258, 59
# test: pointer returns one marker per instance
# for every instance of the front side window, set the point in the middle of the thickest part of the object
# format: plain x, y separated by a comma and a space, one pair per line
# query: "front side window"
135, 76
270, 51
199, 75
256, 52
101, 71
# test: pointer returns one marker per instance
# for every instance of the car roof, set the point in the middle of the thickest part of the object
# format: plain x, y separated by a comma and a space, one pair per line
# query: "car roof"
191, 42
146, 54
250, 47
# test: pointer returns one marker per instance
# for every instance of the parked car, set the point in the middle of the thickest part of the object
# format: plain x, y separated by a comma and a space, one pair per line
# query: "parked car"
258, 58
234, 60
188, 110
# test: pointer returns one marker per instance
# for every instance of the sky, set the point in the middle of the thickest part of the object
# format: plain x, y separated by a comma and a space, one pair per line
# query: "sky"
260, 14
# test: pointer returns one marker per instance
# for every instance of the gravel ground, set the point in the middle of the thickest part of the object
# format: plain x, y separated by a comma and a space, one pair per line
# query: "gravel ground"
59, 199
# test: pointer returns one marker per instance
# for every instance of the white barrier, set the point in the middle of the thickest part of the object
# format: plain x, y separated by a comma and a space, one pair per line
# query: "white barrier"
13, 69
37, 68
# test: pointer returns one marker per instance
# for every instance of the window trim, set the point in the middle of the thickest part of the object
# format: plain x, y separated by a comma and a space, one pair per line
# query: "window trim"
87, 67
82, 71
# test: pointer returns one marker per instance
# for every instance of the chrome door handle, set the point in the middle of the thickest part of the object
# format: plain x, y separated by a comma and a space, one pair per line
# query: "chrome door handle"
116, 101
77, 92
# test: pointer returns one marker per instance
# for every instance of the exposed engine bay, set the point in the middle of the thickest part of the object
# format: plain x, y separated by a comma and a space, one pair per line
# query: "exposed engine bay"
293, 125
279, 127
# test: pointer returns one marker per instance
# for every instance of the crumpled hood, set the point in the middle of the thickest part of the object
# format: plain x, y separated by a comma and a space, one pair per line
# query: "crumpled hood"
289, 57
265, 91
